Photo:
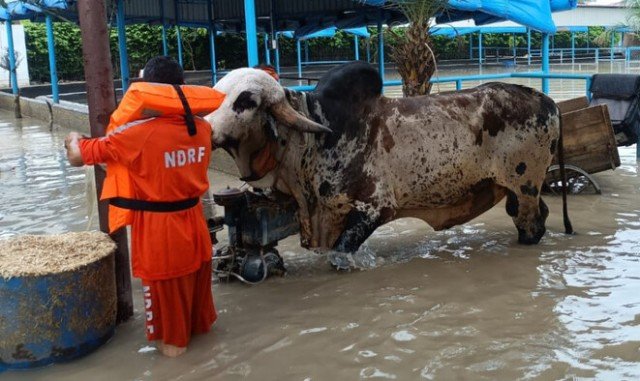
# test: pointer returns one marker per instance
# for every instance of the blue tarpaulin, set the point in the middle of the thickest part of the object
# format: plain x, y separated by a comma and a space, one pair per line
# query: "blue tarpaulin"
330, 32
16, 10
535, 14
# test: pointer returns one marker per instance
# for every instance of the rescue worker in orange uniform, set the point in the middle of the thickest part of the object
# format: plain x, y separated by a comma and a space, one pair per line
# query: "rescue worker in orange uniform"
157, 153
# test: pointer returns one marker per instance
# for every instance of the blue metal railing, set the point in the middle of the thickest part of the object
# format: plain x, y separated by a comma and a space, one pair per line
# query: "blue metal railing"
485, 77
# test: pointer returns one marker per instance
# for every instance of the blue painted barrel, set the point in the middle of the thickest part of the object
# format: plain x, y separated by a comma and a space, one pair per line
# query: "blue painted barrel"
59, 315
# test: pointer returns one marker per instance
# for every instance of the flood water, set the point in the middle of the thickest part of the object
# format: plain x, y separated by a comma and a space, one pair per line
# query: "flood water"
468, 303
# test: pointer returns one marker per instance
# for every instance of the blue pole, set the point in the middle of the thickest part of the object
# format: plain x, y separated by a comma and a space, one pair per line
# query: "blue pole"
480, 48
471, 46
212, 44
299, 55
176, 11
613, 36
179, 41
545, 62
573, 47
528, 46
122, 47
380, 48
267, 53
356, 48
12, 58
165, 48
251, 30
277, 55
52, 60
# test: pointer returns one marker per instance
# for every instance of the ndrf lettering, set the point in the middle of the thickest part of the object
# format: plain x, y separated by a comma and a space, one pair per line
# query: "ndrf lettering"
180, 158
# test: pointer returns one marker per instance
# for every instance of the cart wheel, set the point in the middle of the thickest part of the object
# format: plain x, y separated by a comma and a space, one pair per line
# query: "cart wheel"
578, 181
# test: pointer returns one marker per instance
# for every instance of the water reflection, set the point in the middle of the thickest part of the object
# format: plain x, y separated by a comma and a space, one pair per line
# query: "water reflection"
39, 192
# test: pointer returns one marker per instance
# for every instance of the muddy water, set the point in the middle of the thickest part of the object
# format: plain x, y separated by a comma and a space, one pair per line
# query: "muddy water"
467, 303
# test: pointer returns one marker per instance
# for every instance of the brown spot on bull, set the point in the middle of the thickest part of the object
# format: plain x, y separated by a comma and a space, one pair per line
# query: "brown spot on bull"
479, 137
529, 189
512, 204
554, 144
461, 101
521, 168
324, 189
493, 123
387, 140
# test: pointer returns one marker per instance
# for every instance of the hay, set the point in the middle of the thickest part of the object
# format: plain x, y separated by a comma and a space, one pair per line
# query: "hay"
36, 255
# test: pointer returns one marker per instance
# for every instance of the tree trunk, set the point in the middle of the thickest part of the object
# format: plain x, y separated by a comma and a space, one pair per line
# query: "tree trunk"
415, 59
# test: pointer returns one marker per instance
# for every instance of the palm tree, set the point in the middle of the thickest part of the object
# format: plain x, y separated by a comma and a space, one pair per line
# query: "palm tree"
633, 18
413, 54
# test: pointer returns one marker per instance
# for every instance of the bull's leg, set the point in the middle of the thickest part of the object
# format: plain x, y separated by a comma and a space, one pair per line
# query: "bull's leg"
529, 213
361, 222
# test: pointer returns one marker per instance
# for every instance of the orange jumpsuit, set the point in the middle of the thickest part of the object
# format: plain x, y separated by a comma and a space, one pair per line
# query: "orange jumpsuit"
170, 250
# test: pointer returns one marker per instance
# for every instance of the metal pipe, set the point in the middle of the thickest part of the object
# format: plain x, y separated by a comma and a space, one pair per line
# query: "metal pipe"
480, 48
356, 47
13, 75
613, 37
573, 47
545, 62
299, 56
251, 30
178, 33
277, 51
98, 75
380, 47
122, 46
212, 44
528, 46
165, 47
267, 52
53, 72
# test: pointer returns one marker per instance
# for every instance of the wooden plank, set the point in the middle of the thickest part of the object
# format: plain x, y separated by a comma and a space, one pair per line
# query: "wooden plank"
573, 104
589, 141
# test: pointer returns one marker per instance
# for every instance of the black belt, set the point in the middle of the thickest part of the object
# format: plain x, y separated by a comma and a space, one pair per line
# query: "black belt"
154, 206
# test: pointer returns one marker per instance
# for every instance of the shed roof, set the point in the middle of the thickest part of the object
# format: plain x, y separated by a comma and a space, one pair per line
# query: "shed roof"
306, 17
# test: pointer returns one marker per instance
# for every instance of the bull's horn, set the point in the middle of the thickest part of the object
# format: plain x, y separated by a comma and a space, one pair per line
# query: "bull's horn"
285, 114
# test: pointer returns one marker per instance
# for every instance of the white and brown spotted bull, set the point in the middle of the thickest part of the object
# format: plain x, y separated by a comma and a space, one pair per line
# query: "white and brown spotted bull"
354, 159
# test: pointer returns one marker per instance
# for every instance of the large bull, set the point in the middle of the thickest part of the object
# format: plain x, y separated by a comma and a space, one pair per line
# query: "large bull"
354, 159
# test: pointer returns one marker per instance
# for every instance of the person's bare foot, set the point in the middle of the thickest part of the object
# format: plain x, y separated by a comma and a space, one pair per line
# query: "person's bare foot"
171, 350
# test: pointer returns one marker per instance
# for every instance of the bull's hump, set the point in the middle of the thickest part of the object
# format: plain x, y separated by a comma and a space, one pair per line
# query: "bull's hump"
350, 85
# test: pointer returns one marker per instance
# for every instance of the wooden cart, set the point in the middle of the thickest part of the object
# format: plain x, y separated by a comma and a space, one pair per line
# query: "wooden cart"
589, 145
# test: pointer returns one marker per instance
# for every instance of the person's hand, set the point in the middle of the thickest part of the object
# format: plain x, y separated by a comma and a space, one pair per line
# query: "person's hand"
73, 149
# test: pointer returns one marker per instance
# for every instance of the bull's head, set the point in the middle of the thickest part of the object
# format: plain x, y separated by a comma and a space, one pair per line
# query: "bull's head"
245, 124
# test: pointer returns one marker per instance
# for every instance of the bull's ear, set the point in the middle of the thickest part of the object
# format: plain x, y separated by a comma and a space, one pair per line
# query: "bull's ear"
285, 114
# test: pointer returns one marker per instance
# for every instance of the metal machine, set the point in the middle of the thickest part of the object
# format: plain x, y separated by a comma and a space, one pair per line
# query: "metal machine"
256, 222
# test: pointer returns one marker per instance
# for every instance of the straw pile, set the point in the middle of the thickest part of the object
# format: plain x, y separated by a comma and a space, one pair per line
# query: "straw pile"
36, 255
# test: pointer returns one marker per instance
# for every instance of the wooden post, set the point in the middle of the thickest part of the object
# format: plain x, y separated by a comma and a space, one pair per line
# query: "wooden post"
98, 74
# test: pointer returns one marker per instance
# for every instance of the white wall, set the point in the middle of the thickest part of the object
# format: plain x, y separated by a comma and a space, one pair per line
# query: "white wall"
21, 55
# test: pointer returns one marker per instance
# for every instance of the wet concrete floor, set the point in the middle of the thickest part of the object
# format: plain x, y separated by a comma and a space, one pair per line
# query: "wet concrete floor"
468, 303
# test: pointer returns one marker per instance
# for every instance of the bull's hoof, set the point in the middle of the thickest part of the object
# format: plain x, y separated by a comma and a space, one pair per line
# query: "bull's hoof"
529, 239
341, 261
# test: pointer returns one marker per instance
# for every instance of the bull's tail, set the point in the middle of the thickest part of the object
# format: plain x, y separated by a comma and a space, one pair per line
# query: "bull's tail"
568, 229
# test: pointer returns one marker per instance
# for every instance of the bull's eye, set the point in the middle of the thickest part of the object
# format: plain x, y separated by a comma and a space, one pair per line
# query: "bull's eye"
244, 102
